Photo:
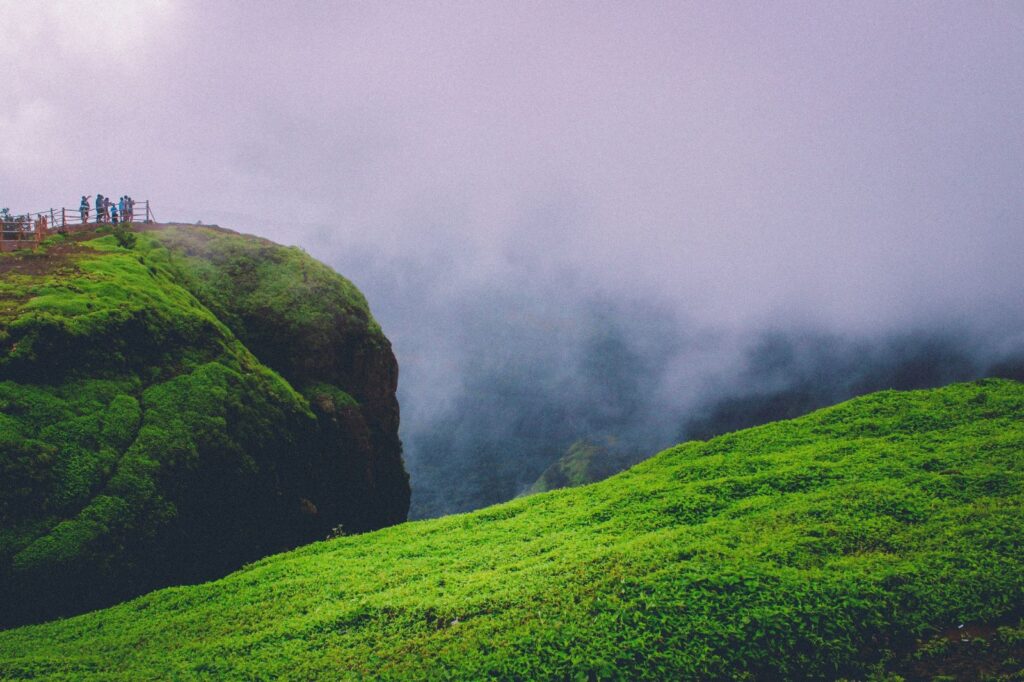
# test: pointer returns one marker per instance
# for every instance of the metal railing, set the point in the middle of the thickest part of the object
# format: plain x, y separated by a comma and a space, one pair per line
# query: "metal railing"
26, 230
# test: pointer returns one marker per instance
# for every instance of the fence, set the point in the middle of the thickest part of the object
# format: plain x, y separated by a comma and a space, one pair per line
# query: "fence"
27, 230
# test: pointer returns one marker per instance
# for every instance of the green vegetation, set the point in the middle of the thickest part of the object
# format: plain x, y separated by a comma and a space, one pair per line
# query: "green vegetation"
965, 652
838, 544
264, 291
584, 462
125, 237
314, 327
142, 443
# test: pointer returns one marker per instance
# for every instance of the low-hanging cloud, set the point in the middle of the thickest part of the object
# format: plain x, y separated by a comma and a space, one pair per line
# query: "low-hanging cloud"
604, 213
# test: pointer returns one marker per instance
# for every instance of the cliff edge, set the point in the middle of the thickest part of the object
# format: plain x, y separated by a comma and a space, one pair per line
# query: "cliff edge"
174, 409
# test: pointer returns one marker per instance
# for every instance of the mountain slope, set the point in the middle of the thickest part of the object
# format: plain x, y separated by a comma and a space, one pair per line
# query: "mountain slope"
585, 461
143, 443
800, 549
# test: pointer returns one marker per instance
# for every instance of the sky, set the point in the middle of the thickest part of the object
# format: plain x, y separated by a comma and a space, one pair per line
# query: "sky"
497, 174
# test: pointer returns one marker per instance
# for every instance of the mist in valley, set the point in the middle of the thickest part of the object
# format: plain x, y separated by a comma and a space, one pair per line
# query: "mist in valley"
634, 225
499, 380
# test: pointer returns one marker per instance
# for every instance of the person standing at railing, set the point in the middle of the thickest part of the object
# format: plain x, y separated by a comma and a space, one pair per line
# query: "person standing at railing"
83, 208
113, 214
120, 209
106, 209
99, 208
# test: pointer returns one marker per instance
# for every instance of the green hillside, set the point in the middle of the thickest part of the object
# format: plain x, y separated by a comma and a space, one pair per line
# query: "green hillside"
151, 433
585, 461
843, 543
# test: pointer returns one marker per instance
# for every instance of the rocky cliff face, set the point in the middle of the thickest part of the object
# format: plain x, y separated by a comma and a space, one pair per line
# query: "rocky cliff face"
313, 327
172, 411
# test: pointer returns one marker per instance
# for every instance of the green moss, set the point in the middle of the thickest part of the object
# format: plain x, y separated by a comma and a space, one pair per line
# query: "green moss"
328, 395
584, 462
144, 443
800, 549
121, 388
244, 278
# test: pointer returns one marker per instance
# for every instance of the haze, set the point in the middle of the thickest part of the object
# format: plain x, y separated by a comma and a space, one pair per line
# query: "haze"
609, 207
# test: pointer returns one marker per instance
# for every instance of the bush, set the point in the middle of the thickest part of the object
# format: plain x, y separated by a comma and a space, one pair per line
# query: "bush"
125, 237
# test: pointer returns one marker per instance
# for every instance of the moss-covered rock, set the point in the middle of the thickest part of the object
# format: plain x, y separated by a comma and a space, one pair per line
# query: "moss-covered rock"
172, 410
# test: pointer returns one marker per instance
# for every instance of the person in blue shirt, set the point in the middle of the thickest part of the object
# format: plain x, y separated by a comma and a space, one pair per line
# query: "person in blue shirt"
120, 209
113, 213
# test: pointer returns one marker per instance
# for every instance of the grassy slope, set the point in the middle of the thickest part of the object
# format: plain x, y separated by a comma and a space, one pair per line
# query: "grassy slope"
801, 548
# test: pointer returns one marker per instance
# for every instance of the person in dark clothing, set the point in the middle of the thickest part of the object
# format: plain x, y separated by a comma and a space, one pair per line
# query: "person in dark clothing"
113, 214
99, 209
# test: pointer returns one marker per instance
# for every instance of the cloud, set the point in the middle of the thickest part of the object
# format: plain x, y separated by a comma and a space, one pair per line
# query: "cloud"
481, 168
28, 127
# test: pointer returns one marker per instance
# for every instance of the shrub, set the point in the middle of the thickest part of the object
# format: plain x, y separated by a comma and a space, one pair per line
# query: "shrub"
125, 237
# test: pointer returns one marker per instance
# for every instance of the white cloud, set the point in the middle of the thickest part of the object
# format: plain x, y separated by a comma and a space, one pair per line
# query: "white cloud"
46, 42
26, 127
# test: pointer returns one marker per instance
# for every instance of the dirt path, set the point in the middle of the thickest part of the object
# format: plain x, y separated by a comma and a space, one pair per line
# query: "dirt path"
38, 262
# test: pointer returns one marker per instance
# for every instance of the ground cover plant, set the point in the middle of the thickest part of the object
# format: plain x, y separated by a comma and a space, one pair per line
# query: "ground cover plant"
142, 443
833, 545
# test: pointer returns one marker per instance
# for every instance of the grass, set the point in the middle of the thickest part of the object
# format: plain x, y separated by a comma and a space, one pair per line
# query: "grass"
142, 442
820, 547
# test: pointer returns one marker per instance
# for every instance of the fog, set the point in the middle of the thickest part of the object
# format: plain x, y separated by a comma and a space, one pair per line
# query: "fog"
650, 222
499, 379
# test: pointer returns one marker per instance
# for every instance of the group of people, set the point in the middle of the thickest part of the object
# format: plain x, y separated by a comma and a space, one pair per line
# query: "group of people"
107, 211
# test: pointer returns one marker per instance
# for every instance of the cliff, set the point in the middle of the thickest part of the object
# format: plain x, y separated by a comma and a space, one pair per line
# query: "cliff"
171, 411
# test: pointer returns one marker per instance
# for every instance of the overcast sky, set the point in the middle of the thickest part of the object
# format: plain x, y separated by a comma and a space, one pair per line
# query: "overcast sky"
844, 161
553, 204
